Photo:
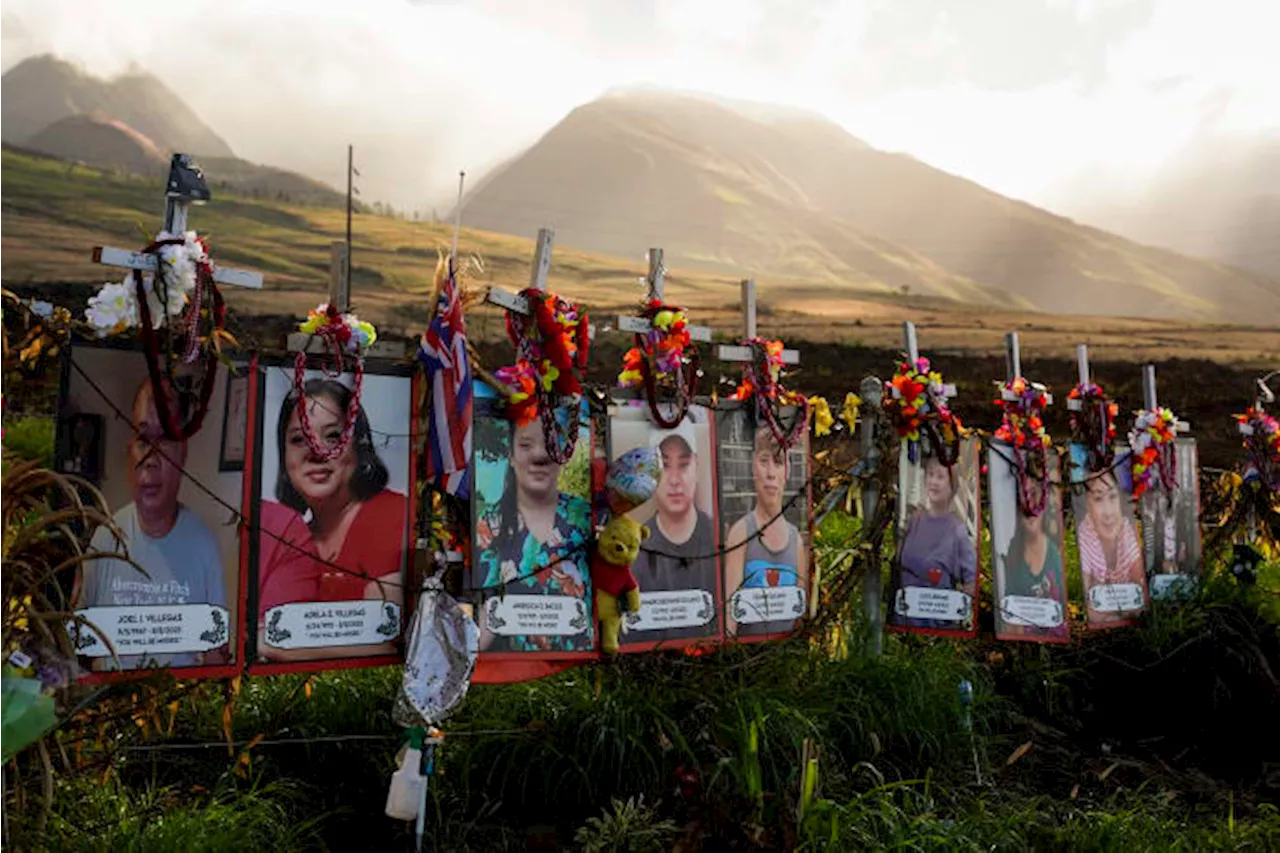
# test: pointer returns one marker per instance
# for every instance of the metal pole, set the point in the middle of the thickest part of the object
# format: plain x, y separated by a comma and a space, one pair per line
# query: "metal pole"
350, 167
871, 390
457, 219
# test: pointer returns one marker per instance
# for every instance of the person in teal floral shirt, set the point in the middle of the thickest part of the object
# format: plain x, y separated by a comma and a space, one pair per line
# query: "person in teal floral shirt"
535, 541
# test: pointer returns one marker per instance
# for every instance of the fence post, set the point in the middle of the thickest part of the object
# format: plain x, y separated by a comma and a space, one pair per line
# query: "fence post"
871, 391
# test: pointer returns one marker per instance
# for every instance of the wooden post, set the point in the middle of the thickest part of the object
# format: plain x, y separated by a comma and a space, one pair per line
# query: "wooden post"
657, 272
1149, 386
871, 390
339, 284
1082, 364
542, 259
749, 307
910, 341
1012, 356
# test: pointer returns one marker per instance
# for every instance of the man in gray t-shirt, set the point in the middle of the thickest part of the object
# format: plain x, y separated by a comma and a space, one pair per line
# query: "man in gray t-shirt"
178, 552
680, 551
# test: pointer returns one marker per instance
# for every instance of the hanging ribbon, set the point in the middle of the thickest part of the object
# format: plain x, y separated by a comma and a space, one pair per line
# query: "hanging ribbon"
552, 343
1023, 429
664, 355
761, 382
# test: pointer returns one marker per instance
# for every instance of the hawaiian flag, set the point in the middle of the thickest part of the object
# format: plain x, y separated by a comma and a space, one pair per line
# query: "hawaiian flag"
443, 351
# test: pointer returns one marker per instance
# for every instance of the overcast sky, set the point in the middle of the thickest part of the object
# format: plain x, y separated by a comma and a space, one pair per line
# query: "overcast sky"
1023, 96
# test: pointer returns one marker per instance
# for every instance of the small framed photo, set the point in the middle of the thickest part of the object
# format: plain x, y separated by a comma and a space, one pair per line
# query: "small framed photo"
81, 451
235, 423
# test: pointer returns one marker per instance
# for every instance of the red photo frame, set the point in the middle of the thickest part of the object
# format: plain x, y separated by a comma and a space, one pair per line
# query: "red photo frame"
373, 368
92, 393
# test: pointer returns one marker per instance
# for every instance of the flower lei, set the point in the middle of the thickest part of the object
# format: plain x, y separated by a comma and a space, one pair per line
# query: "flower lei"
343, 333
183, 281
1151, 440
918, 404
1093, 423
1261, 434
664, 354
1023, 429
761, 381
551, 343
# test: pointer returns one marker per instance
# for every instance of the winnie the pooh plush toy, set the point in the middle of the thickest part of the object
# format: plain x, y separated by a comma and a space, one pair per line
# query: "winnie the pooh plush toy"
616, 590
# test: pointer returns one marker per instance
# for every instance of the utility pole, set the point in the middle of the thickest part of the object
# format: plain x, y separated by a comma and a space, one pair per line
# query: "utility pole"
350, 169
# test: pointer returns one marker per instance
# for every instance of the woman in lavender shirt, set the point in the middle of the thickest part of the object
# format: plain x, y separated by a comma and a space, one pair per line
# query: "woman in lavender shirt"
937, 551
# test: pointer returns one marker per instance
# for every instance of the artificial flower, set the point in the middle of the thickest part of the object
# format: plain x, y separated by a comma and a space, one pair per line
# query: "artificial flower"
822, 418
849, 414
112, 309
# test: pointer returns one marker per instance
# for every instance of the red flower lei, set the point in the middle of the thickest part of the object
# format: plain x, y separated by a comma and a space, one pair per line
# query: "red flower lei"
163, 376
1023, 429
552, 344
1093, 424
761, 381
918, 404
665, 354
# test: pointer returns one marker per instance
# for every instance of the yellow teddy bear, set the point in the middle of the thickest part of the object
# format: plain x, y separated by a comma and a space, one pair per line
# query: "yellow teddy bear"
616, 590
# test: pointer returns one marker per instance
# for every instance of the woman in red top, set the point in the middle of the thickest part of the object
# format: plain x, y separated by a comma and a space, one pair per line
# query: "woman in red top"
338, 511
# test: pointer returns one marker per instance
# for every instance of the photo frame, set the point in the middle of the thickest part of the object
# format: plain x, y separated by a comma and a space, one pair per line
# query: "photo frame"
767, 578
186, 613
1112, 566
235, 427
934, 580
323, 595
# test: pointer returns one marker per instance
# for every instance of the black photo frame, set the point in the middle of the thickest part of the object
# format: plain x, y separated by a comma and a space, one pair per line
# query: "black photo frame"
232, 458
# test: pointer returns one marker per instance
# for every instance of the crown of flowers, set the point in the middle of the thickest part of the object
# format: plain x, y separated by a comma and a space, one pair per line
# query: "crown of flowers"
346, 330
1151, 441
1021, 425
181, 262
917, 395
666, 342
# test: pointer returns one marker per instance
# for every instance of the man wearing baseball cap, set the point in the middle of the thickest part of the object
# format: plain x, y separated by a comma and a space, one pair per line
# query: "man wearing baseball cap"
680, 551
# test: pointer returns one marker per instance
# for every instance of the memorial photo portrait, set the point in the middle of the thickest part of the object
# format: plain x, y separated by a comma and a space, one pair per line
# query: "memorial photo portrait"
1171, 527
1112, 570
934, 583
333, 514
764, 514
532, 533
174, 510
678, 568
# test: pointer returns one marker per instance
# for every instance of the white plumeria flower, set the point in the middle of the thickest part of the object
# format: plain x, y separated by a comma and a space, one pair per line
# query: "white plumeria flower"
112, 309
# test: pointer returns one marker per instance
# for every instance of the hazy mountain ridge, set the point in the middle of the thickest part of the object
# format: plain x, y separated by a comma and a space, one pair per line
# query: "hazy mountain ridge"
795, 197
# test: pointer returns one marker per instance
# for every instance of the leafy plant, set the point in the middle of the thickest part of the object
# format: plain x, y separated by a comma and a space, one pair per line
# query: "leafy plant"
631, 827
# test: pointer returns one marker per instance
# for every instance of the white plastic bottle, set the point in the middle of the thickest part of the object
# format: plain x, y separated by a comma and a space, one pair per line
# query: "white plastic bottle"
406, 787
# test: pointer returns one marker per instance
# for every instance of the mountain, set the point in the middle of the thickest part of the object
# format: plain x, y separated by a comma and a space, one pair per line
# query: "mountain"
42, 90
791, 196
1220, 198
99, 142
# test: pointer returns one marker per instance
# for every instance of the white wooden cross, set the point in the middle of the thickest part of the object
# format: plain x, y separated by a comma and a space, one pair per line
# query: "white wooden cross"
509, 301
911, 344
1013, 368
727, 352
340, 298
654, 281
185, 187
1149, 396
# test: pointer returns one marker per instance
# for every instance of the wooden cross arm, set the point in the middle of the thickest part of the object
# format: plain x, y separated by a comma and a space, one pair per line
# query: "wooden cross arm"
515, 302
147, 263
640, 325
733, 352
